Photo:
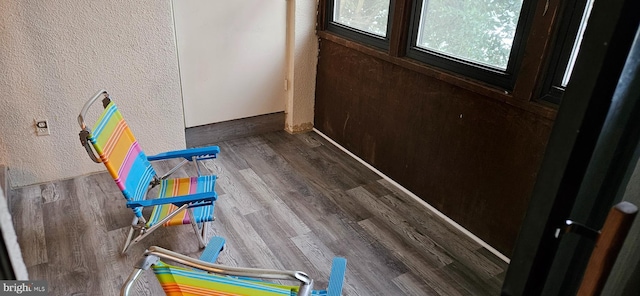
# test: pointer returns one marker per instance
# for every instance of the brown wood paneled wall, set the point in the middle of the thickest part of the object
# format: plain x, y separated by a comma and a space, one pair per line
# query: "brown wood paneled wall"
472, 157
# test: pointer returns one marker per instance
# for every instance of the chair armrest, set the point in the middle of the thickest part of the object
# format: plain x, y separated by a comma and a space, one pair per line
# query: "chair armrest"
199, 153
178, 200
336, 277
213, 249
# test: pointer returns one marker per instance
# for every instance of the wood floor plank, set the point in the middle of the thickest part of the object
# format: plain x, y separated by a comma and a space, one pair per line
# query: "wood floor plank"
459, 247
38, 272
251, 246
283, 216
290, 182
70, 251
423, 218
352, 237
122, 266
232, 256
473, 283
119, 216
50, 193
300, 197
493, 258
88, 198
429, 248
106, 185
260, 157
321, 256
237, 190
349, 205
285, 201
320, 171
316, 211
278, 241
419, 265
372, 263
312, 140
26, 213
346, 164
257, 189
264, 160
412, 285
87, 193
229, 154
110, 202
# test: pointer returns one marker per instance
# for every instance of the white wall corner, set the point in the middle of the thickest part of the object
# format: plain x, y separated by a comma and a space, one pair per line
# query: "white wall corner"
302, 60
57, 53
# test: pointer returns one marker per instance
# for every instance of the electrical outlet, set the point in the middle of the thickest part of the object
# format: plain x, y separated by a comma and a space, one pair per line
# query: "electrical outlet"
42, 127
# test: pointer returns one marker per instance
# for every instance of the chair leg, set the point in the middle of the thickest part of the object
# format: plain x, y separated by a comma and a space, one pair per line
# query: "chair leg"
128, 241
205, 229
205, 226
201, 241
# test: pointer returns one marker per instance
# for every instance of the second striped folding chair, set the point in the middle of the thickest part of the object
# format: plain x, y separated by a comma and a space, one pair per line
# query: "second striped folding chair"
200, 277
179, 201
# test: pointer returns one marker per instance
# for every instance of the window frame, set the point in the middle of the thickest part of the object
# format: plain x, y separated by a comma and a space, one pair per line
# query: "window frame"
501, 78
567, 32
531, 71
359, 35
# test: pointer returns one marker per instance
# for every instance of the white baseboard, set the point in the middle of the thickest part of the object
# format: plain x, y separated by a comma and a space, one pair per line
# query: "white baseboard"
424, 203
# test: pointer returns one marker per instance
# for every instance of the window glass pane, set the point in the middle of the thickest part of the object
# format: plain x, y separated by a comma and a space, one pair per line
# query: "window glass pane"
480, 31
576, 44
365, 15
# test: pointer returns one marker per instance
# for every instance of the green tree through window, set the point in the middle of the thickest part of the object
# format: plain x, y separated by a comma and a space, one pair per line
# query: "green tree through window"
479, 31
366, 15
480, 39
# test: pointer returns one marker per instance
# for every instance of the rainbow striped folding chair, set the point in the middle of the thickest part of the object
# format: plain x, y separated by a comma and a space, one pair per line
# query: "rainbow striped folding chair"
206, 278
179, 201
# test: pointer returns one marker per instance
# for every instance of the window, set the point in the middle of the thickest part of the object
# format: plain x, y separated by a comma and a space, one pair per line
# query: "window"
367, 16
481, 39
480, 32
568, 41
361, 20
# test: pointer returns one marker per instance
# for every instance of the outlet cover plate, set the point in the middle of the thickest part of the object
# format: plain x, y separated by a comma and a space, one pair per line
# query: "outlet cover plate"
42, 127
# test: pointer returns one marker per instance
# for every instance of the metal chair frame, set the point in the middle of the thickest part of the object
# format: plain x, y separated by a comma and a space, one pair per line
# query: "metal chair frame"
184, 202
154, 254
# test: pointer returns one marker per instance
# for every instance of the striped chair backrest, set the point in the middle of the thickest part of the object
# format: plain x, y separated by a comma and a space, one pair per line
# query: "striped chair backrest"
180, 281
121, 154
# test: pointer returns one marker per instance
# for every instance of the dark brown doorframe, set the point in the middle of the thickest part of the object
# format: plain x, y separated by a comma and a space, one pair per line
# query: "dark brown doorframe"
587, 158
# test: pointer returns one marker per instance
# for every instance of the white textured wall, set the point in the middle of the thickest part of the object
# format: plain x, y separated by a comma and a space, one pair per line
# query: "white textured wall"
55, 54
303, 42
232, 58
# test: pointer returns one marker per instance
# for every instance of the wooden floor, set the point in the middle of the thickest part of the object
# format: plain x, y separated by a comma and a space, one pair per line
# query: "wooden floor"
285, 201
